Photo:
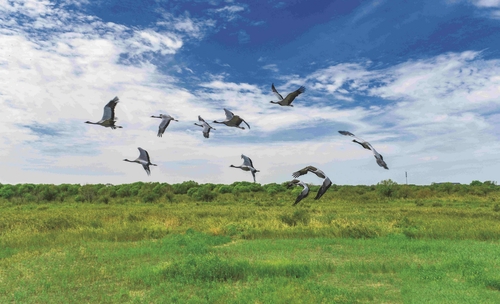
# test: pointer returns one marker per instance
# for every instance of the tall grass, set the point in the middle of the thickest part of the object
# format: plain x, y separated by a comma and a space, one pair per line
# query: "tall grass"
249, 247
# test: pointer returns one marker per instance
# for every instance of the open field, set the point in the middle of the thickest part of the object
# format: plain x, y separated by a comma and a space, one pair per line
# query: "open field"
253, 247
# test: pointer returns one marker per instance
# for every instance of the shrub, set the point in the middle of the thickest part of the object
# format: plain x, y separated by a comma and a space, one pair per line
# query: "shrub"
149, 198
123, 191
241, 189
184, 187
476, 183
387, 187
404, 192
7, 191
225, 189
88, 193
202, 194
169, 196
49, 193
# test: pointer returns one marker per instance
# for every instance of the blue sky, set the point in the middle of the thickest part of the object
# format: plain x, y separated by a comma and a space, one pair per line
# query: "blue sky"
419, 80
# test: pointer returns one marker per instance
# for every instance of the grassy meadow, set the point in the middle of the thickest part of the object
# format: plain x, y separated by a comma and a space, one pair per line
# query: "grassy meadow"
245, 243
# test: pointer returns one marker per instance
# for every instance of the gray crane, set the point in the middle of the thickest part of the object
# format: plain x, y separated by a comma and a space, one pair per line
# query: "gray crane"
289, 98
232, 120
143, 159
108, 117
206, 127
327, 183
378, 157
165, 121
247, 166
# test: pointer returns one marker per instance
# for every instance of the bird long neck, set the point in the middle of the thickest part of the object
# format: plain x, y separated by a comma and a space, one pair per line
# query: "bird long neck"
130, 161
94, 123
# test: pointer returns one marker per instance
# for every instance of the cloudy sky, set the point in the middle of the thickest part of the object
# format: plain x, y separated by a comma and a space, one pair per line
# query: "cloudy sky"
419, 80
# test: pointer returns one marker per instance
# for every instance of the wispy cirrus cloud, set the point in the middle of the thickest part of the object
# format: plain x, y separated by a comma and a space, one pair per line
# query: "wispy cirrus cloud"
230, 12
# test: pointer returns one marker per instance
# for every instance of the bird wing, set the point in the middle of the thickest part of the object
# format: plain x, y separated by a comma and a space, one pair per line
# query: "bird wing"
236, 121
375, 153
163, 126
292, 183
302, 171
146, 167
144, 154
290, 97
327, 183
347, 133
229, 114
246, 161
109, 109
276, 92
379, 158
303, 194
206, 130
164, 123
246, 124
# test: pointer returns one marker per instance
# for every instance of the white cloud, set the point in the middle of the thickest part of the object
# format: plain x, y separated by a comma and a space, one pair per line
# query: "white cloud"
486, 3
272, 67
230, 9
333, 78
229, 12
186, 25
437, 110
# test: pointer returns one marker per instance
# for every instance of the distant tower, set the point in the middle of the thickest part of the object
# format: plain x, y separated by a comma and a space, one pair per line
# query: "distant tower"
406, 175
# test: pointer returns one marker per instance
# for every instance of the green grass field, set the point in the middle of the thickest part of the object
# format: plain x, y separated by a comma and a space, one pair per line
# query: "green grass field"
252, 248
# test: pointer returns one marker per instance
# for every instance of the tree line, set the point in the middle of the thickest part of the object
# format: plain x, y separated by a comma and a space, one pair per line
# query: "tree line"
191, 190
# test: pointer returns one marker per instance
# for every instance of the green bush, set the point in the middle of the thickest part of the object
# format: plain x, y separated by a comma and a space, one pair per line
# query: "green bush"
7, 191
184, 187
123, 191
225, 189
149, 197
49, 193
202, 193
387, 188
88, 193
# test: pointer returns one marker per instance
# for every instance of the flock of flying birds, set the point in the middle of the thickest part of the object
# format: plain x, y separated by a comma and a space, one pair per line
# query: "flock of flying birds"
109, 119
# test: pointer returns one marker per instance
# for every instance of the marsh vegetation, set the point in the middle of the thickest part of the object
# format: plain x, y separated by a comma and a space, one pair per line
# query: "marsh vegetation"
245, 243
